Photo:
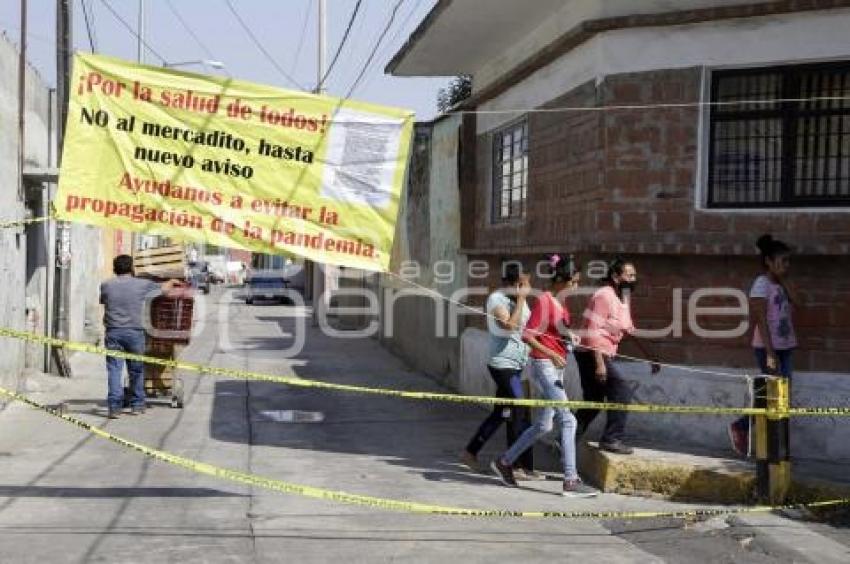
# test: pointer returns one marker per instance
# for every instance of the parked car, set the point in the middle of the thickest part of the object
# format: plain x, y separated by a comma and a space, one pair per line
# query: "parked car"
267, 286
217, 267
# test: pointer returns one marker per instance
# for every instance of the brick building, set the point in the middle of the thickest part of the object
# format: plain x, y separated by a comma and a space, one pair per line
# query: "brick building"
649, 129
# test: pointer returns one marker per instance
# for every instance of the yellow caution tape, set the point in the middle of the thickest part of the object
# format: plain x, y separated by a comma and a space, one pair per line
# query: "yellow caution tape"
431, 396
20, 222
384, 503
428, 396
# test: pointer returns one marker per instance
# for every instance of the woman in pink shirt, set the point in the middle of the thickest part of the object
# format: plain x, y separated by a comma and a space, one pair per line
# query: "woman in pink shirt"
607, 320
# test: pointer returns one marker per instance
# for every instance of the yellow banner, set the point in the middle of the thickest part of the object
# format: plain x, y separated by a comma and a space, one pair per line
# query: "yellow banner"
232, 163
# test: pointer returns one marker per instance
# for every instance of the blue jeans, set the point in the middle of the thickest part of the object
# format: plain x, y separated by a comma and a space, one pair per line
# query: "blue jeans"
549, 382
130, 341
785, 369
782, 355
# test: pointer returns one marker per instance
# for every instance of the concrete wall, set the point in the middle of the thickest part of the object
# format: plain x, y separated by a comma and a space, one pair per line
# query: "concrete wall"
812, 439
27, 254
12, 241
86, 323
416, 323
38, 153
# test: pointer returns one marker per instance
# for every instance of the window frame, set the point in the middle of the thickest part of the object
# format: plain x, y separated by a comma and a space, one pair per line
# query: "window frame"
497, 175
790, 115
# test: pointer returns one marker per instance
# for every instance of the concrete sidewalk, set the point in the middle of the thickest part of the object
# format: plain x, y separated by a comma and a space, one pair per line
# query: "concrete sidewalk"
68, 496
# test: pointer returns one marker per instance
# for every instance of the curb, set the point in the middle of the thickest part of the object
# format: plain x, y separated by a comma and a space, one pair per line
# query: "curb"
682, 477
678, 477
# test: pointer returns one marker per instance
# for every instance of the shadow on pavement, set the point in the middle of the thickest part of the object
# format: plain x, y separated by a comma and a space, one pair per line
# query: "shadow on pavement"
426, 437
121, 492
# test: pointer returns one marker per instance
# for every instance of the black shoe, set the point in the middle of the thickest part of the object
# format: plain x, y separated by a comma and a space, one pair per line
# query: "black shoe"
617, 447
137, 411
504, 472
113, 414
580, 431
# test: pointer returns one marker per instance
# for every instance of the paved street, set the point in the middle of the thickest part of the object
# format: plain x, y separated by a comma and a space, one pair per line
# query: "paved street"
67, 496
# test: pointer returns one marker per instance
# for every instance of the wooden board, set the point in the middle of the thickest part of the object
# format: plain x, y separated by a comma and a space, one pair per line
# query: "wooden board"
161, 262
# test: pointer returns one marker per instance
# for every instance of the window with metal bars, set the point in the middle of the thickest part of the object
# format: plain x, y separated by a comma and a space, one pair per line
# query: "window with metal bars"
510, 172
767, 153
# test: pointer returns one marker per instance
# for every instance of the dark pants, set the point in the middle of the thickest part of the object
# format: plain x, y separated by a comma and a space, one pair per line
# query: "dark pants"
508, 385
130, 341
614, 390
785, 369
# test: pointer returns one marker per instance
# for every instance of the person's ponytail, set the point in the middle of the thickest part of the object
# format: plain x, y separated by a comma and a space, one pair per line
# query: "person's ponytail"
770, 248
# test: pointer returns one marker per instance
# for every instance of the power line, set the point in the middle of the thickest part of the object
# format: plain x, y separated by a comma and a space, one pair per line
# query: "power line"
259, 45
341, 44
302, 37
89, 26
93, 22
389, 44
375, 49
191, 32
348, 64
133, 31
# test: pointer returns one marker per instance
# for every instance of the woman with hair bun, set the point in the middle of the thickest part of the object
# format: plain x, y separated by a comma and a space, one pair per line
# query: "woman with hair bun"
774, 339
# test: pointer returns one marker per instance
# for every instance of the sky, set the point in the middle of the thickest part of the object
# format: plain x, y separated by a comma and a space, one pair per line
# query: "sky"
286, 29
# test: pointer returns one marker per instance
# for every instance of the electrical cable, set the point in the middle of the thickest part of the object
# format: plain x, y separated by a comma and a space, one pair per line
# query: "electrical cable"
135, 33
192, 33
89, 31
341, 44
93, 22
295, 59
259, 45
392, 40
375, 49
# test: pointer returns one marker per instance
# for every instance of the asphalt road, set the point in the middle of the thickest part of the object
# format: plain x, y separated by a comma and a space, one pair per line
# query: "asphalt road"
66, 496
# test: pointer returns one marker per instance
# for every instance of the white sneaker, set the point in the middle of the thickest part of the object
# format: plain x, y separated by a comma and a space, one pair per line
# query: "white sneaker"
576, 489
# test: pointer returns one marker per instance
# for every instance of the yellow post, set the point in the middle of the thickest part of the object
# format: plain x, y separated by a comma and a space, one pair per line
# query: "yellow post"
773, 457
779, 455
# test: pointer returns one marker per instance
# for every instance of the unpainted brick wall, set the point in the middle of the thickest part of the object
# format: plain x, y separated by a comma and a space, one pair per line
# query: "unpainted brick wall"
623, 181
822, 324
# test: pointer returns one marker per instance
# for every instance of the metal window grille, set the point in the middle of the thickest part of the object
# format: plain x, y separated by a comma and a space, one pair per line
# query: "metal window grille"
510, 172
769, 154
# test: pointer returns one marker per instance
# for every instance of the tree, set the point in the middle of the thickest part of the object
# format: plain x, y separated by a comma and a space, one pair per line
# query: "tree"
459, 89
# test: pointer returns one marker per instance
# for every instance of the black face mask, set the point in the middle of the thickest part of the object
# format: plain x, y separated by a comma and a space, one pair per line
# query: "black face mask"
627, 286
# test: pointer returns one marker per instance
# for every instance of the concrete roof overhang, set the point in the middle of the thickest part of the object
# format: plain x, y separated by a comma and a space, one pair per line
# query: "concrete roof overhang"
451, 41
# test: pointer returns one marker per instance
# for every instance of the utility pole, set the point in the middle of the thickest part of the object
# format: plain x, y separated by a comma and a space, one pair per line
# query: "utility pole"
319, 280
22, 104
61, 279
140, 37
136, 239
322, 47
